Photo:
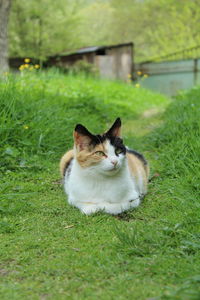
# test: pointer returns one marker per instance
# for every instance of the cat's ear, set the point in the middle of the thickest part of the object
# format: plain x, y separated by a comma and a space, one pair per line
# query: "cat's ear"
82, 137
115, 129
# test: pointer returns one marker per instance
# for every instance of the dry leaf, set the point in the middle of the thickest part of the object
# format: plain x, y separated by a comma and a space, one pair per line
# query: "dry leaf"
68, 226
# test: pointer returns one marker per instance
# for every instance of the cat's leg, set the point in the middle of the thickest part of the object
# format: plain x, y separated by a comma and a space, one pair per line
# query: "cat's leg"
70, 197
134, 202
119, 207
115, 208
70, 201
85, 208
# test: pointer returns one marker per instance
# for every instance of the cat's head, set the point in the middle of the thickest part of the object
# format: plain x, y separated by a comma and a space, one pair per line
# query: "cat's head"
101, 153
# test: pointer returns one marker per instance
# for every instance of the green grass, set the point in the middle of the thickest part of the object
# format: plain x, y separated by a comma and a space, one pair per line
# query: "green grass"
39, 111
49, 250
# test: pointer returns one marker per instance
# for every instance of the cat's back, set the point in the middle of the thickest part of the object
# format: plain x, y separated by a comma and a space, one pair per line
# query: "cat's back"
139, 168
66, 161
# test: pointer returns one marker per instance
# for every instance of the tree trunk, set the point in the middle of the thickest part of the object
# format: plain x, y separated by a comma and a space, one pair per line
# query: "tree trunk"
4, 15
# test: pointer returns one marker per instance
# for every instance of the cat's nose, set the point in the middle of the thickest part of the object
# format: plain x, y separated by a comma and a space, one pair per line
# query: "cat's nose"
114, 162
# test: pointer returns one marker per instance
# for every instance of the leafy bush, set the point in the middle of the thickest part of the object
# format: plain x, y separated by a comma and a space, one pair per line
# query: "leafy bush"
84, 67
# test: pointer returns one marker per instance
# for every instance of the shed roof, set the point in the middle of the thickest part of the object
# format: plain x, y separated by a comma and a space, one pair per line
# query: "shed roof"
89, 49
94, 49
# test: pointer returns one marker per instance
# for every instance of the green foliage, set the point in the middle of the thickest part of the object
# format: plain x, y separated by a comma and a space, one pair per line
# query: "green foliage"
83, 67
42, 28
97, 16
154, 25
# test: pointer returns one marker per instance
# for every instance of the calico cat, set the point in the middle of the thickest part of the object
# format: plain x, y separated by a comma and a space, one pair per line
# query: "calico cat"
102, 174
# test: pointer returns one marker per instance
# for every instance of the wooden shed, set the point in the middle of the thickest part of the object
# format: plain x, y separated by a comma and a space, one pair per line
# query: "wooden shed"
112, 62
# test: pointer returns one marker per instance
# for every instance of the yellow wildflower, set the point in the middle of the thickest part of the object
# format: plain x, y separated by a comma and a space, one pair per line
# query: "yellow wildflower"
129, 75
25, 127
37, 66
31, 68
27, 60
139, 73
21, 67
146, 75
26, 66
137, 85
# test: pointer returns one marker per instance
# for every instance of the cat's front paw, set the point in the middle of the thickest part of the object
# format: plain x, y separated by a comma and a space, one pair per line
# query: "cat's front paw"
89, 209
115, 208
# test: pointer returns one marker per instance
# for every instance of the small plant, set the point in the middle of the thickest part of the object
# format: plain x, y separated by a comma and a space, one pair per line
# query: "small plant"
174, 239
28, 66
139, 77
84, 67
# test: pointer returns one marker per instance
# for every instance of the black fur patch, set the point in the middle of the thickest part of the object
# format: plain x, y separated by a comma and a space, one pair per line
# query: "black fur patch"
117, 143
95, 139
98, 139
68, 167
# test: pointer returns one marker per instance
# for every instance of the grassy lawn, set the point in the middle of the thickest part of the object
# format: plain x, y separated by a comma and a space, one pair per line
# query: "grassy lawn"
49, 250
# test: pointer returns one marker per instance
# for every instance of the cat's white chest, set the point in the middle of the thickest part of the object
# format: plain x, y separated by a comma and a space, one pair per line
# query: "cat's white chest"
93, 192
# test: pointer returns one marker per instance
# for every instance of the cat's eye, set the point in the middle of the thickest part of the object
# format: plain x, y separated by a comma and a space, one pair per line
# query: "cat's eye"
118, 151
100, 153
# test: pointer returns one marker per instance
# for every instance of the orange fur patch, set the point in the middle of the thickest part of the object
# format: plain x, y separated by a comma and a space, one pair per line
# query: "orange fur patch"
65, 161
137, 168
87, 158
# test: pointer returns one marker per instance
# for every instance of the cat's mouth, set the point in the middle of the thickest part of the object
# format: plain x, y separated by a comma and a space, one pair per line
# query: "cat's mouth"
115, 168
